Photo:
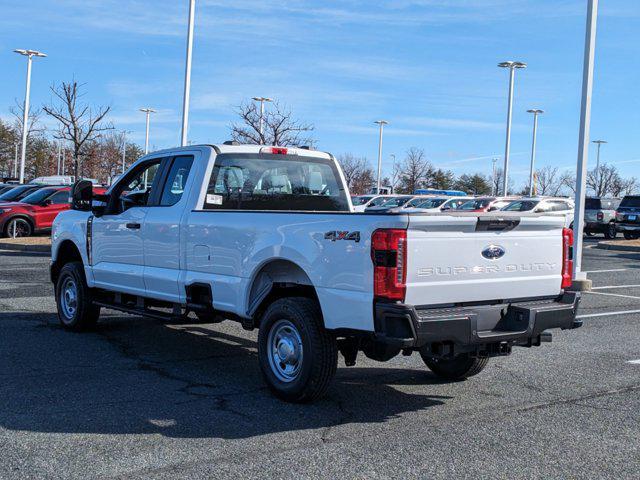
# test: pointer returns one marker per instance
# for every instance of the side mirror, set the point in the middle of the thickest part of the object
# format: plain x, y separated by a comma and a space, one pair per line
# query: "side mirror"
493, 209
81, 195
46, 203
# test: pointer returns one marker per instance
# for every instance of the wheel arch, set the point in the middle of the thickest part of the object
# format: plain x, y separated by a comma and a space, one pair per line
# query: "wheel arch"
277, 278
66, 252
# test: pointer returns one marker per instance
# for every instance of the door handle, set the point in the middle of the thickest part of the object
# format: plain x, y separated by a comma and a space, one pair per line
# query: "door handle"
133, 226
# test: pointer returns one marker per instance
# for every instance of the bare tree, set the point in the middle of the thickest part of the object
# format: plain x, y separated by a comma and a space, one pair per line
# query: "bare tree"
278, 127
414, 170
79, 123
568, 181
602, 179
548, 181
353, 167
624, 186
33, 121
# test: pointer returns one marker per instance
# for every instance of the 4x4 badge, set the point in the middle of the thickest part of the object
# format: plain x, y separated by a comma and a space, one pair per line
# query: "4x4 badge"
342, 235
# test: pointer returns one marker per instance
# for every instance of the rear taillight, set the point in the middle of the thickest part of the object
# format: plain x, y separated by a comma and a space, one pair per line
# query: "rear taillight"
600, 216
619, 217
274, 150
389, 255
567, 257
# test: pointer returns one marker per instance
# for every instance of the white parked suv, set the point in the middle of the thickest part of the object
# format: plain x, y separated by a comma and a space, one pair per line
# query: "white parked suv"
265, 236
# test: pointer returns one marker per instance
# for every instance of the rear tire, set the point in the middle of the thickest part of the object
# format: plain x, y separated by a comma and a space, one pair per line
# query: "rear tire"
589, 233
297, 356
76, 310
18, 227
610, 231
457, 368
630, 235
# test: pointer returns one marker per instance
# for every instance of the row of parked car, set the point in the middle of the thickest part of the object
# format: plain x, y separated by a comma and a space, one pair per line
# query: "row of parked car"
602, 215
30, 208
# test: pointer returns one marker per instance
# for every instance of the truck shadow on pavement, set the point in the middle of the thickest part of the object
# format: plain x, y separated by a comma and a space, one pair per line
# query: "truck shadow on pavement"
136, 376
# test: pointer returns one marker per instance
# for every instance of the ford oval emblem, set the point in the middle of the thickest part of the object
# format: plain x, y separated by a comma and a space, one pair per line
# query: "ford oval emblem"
493, 252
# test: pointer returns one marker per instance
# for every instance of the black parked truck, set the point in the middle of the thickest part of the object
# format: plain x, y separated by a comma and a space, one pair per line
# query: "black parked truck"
628, 217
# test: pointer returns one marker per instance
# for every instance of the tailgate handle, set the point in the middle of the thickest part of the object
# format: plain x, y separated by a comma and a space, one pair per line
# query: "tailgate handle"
496, 224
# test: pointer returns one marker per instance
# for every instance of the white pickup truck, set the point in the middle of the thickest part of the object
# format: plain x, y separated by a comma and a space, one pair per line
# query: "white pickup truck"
265, 236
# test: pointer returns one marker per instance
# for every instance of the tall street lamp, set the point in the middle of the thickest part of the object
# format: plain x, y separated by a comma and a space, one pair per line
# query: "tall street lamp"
381, 124
187, 74
262, 100
147, 111
535, 112
494, 188
599, 143
124, 149
512, 66
25, 119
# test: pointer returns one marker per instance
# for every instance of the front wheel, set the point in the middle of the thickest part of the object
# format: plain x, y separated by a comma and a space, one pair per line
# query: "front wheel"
18, 227
298, 357
610, 231
457, 368
76, 310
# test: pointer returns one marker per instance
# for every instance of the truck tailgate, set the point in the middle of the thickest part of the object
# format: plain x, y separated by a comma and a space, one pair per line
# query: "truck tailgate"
454, 259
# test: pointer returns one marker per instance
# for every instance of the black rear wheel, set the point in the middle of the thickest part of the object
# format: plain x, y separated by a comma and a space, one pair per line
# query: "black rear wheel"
457, 368
630, 235
298, 357
610, 231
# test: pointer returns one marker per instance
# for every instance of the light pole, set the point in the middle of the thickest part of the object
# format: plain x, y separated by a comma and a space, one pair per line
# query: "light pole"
58, 159
15, 163
381, 124
535, 112
147, 111
124, 149
262, 100
512, 66
25, 119
599, 143
187, 74
580, 279
494, 188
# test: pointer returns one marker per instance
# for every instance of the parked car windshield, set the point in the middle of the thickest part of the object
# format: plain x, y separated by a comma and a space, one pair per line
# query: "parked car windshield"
38, 196
476, 204
454, 203
521, 206
422, 202
630, 202
361, 200
592, 204
395, 201
16, 193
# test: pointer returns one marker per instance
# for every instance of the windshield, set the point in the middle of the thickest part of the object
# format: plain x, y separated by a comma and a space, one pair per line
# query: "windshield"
630, 202
521, 206
454, 203
16, 193
476, 204
428, 203
38, 196
395, 201
357, 201
592, 204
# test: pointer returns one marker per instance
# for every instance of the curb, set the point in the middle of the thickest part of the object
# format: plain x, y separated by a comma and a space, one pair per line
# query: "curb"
621, 248
25, 248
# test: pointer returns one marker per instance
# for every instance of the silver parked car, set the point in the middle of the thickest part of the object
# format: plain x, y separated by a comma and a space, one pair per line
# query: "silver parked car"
600, 216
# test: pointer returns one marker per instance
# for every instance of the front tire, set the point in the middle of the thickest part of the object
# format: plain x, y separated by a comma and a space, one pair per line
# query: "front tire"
457, 368
297, 356
76, 310
18, 227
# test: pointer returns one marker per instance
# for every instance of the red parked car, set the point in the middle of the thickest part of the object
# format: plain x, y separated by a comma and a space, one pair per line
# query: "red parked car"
34, 213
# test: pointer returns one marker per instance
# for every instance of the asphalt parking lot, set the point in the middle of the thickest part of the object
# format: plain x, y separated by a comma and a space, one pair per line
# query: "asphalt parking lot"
137, 398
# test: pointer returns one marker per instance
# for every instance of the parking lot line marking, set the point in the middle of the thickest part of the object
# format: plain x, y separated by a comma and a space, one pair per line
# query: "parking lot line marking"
607, 271
615, 286
634, 362
613, 295
607, 314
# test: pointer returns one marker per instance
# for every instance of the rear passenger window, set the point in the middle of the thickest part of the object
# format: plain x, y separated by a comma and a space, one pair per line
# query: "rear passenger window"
176, 180
275, 182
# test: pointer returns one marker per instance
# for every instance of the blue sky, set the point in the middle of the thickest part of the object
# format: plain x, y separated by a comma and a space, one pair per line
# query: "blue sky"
426, 66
